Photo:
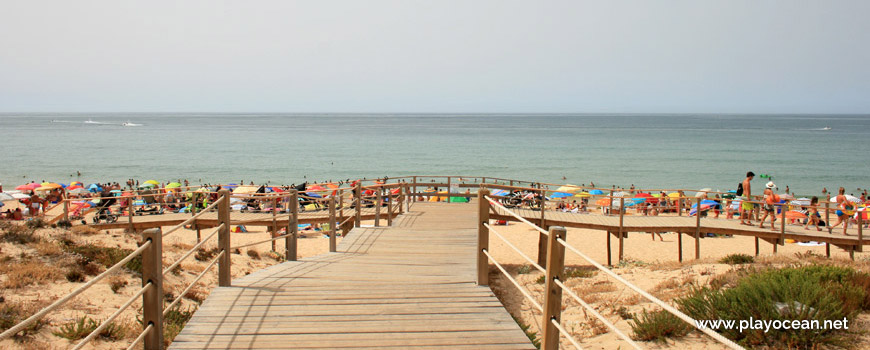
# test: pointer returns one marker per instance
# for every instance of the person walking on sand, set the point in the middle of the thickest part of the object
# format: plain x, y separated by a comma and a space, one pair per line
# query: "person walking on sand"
770, 199
813, 216
845, 211
745, 190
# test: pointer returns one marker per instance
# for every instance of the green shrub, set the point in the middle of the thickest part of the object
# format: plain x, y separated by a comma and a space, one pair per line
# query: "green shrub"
13, 313
206, 254
77, 329
19, 234
581, 272
533, 336
35, 223
819, 292
174, 322
522, 270
105, 256
658, 326
75, 275
734, 259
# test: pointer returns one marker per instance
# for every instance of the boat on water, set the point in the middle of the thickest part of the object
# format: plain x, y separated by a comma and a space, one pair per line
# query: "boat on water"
128, 123
826, 128
89, 121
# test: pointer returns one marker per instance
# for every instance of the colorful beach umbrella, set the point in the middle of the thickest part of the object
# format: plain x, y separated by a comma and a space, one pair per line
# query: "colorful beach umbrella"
23, 187
173, 185
153, 182
849, 197
561, 195
596, 192
75, 183
794, 215
569, 188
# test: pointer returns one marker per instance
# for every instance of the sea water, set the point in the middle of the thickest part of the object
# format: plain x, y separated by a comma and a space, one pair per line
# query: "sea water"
648, 151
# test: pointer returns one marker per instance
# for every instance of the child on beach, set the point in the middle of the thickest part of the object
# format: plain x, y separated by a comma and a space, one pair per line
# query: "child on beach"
813, 216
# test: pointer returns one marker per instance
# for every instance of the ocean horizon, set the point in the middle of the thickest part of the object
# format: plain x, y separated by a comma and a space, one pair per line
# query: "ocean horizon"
807, 152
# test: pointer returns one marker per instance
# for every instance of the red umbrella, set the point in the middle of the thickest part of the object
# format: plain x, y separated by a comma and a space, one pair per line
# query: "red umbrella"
315, 188
73, 187
23, 187
649, 198
277, 189
394, 191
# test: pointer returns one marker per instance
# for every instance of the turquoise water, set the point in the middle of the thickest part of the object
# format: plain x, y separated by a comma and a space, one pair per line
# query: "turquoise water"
688, 151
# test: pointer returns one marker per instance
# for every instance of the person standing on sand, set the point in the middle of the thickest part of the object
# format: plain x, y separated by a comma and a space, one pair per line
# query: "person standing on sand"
745, 206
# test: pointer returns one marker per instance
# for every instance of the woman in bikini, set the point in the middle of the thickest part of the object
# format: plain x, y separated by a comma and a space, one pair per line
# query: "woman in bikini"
847, 209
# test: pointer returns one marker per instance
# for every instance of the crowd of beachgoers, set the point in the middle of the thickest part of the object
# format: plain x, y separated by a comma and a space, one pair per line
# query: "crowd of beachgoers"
153, 197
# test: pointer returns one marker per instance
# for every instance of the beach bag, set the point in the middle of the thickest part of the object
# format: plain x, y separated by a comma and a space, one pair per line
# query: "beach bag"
740, 189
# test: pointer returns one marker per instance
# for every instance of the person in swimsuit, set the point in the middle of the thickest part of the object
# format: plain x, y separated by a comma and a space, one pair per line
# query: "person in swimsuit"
770, 199
845, 211
746, 207
35, 203
813, 216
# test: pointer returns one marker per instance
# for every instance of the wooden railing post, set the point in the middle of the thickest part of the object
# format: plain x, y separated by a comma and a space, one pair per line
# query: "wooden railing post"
621, 227
542, 238
357, 199
274, 223
828, 213
448, 189
390, 206
679, 203
130, 214
697, 228
408, 198
152, 299
781, 224
553, 296
401, 201
292, 227
861, 230
332, 224
415, 189
66, 209
482, 237
378, 204
224, 269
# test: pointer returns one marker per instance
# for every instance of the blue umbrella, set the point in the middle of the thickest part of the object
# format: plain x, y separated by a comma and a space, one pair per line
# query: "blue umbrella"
708, 203
596, 192
231, 186
63, 185
313, 194
561, 195
94, 188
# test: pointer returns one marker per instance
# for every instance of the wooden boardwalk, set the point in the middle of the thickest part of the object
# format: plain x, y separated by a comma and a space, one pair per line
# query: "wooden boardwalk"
687, 225
406, 286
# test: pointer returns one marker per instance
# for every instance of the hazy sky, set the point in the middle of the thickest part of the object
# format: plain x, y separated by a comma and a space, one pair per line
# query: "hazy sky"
724, 56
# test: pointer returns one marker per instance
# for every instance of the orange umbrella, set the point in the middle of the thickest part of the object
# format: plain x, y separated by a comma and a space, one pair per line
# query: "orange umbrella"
793, 215
603, 202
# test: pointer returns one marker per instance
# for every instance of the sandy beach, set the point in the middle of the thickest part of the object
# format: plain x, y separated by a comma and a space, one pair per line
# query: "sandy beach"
650, 265
100, 301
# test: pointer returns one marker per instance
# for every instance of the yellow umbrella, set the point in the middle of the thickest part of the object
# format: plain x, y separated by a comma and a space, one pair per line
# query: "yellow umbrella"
51, 185
673, 194
43, 188
155, 183
582, 195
